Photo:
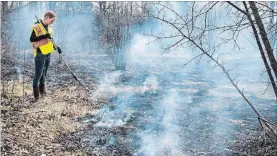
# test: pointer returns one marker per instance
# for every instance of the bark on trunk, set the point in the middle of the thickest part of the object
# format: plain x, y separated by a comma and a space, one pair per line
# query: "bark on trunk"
264, 37
261, 51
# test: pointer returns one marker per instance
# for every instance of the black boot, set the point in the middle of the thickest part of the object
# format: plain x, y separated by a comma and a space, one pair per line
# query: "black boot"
36, 93
42, 89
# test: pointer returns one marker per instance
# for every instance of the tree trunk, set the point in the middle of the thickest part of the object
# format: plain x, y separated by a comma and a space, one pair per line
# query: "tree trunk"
271, 28
264, 37
4, 15
273, 5
4, 6
261, 51
4, 10
276, 30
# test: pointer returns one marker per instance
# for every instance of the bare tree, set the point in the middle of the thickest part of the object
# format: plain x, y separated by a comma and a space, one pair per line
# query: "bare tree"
265, 40
194, 34
115, 20
261, 50
264, 37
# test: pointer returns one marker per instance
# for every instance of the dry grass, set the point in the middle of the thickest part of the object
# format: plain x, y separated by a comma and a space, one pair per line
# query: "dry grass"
253, 143
31, 128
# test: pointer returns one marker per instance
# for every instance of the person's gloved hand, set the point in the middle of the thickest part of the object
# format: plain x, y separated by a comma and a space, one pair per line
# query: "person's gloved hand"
59, 50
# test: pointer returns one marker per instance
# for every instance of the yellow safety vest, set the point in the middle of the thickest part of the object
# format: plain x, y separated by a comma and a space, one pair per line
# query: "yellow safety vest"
45, 45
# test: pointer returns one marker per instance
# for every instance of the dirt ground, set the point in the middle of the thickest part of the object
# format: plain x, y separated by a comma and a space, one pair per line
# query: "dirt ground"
47, 127
36, 128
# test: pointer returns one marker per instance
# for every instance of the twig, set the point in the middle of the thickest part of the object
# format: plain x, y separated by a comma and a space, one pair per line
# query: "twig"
13, 87
269, 8
193, 59
24, 75
266, 87
33, 112
245, 13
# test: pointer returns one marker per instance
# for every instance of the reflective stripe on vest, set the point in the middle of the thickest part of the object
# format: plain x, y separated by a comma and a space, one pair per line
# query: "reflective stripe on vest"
45, 45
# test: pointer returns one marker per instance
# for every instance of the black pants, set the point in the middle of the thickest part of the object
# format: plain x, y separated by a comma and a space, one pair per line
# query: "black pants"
41, 68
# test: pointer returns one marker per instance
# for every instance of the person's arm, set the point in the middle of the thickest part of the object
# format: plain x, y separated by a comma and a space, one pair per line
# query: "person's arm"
34, 38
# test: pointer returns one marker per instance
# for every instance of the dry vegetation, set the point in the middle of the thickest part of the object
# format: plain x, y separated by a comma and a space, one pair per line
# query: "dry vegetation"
49, 126
36, 128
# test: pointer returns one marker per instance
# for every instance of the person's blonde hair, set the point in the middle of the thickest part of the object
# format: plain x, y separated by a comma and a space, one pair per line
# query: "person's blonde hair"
49, 14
